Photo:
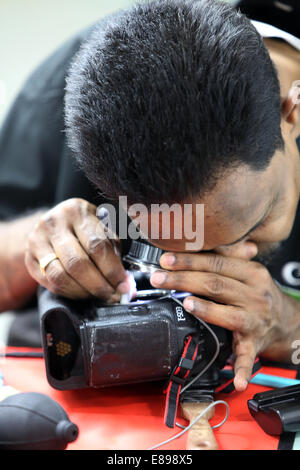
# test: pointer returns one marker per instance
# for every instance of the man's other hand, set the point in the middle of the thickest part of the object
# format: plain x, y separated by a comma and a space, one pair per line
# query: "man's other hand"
240, 295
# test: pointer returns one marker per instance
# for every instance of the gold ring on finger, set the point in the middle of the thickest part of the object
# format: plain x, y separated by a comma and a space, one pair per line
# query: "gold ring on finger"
45, 261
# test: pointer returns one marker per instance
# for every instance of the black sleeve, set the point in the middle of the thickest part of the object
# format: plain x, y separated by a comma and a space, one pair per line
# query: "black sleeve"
36, 167
284, 15
32, 142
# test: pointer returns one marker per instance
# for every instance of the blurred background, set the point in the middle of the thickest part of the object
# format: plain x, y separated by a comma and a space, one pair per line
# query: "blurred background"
31, 29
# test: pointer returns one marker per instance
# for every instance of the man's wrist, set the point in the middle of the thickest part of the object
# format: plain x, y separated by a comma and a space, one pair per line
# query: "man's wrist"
288, 330
16, 284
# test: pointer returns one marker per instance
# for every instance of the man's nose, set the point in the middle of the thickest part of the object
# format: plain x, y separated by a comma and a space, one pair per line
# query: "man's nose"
243, 250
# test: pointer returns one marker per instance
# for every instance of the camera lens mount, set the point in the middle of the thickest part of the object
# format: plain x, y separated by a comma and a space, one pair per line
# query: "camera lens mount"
143, 257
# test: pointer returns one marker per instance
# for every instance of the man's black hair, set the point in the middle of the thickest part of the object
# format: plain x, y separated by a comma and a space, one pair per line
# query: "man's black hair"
169, 96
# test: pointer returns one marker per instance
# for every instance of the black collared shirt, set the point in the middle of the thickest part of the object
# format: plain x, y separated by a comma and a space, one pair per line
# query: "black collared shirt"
37, 168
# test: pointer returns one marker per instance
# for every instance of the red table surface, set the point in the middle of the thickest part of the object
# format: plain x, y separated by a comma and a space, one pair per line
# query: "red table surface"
131, 417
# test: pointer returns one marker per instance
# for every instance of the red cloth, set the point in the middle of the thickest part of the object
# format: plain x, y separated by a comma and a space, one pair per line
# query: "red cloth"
131, 417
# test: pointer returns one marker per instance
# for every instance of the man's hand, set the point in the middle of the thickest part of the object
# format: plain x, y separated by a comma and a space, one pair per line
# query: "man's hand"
16, 285
242, 297
87, 263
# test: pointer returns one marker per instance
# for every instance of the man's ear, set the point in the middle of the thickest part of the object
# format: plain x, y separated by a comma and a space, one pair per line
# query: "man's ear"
290, 105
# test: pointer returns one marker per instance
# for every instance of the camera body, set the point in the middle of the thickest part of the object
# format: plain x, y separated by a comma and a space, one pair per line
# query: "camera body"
91, 344
88, 344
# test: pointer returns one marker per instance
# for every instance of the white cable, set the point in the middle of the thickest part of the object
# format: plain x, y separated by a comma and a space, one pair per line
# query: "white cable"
194, 422
170, 296
215, 355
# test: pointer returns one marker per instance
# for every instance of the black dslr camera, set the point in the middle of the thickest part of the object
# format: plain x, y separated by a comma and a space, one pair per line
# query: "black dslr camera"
91, 344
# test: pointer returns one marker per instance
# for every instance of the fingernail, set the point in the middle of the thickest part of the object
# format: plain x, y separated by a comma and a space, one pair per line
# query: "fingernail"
240, 384
123, 287
158, 277
169, 260
188, 305
102, 213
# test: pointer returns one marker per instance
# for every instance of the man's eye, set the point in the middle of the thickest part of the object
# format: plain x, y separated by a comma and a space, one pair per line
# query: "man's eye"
262, 224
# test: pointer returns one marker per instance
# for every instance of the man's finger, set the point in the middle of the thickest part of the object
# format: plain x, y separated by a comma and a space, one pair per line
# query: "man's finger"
213, 286
55, 277
226, 316
102, 251
234, 268
79, 266
245, 352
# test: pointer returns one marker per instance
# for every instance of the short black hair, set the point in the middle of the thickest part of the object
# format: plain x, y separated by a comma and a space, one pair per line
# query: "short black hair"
168, 96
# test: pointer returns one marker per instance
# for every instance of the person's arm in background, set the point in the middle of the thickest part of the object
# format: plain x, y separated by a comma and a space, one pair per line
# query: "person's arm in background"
27, 183
37, 171
31, 147
16, 284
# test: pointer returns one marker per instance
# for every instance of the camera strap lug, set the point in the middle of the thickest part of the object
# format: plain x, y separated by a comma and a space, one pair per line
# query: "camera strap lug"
178, 377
